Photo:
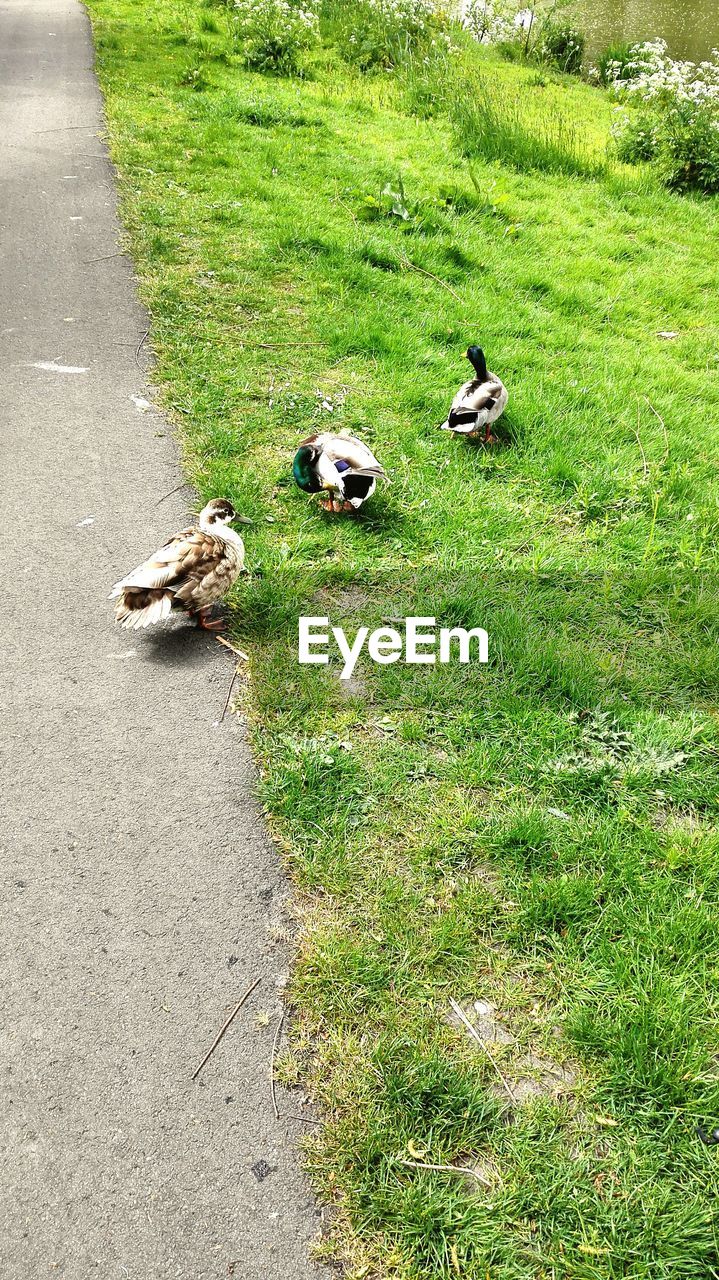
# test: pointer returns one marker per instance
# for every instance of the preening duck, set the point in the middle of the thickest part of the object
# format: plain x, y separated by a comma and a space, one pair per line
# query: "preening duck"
479, 402
340, 466
191, 571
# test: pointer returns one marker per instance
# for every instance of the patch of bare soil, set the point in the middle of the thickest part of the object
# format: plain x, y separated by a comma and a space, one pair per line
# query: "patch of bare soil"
523, 1073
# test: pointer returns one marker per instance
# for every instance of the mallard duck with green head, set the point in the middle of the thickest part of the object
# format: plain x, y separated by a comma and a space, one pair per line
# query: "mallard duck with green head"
478, 403
340, 467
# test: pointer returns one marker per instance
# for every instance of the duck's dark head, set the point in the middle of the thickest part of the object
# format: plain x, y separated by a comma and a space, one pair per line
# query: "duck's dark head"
475, 355
304, 468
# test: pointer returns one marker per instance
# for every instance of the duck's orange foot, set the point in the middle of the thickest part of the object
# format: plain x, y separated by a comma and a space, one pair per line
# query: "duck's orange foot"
208, 623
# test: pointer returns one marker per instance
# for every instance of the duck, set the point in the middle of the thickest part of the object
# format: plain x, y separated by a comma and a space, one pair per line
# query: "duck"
192, 571
340, 466
479, 402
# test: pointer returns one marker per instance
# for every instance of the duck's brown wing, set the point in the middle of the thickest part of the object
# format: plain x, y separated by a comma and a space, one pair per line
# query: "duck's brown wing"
209, 569
188, 556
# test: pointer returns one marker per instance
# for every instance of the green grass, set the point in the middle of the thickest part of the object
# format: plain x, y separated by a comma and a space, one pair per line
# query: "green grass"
541, 834
490, 125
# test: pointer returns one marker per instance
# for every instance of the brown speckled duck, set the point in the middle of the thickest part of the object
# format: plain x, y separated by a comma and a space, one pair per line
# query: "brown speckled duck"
191, 572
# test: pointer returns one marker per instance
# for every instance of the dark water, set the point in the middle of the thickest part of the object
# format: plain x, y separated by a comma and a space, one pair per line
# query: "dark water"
690, 27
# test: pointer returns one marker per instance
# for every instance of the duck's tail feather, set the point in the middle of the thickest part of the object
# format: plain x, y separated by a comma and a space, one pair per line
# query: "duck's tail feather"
142, 606
465, 431
465, 422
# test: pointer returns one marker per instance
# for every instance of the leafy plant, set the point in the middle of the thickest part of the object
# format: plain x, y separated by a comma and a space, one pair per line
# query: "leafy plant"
392, 202
385, 33
396, 201
637, 140
617, 62
561, 45
274, 33
195, 78
488, 199
671, 115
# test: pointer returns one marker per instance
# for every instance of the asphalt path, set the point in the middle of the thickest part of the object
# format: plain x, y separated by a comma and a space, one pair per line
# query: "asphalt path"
141, 894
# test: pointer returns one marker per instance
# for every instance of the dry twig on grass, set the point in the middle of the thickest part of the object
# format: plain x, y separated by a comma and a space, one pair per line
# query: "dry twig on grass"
445, 1168
645, 464
227, 645
412, 266
666, 434
183, 485
229, 693
67, 128
265, 346
232, 647
104, 257
476, 1036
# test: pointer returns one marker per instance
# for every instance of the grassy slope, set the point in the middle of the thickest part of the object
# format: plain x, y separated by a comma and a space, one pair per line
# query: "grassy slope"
419, 809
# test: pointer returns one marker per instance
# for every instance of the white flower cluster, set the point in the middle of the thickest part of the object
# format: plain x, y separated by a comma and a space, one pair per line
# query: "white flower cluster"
492, 22
273, 32
413, 16
652, 76
676, 113
279, 10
